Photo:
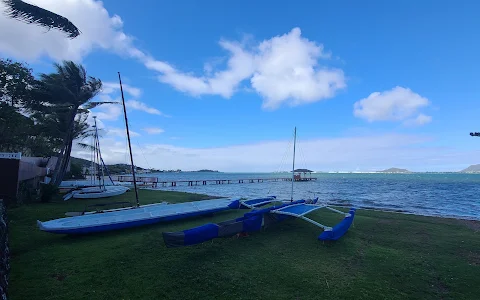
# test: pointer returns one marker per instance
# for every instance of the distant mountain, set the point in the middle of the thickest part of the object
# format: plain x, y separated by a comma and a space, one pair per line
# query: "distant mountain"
471, 169
395, 170
80, 162
113, 169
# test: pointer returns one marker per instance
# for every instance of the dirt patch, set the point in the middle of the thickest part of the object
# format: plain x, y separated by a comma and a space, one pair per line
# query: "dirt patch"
474, 225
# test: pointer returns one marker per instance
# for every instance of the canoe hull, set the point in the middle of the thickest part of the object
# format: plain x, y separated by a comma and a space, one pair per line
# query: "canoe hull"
136, 216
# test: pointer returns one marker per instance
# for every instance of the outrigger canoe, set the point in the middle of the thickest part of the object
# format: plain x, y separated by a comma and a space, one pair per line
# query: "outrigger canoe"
256, 219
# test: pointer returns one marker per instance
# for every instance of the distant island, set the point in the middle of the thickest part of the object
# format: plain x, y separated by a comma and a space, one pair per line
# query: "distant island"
394, 170
471, 169
84, 167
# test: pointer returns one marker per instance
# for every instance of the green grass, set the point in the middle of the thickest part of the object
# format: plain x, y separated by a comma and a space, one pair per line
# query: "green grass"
384, 256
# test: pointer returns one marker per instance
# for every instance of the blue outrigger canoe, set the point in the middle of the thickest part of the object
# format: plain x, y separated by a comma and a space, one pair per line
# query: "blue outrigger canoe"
256, 219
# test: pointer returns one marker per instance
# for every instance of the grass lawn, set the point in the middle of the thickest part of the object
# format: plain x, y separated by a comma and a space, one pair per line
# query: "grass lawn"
384, 256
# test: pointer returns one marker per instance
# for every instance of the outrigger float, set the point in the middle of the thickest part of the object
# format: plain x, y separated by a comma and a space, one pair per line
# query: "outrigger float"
257, 219
262, 218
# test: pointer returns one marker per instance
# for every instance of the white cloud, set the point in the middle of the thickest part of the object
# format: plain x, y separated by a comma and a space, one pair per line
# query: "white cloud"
137, 105
113, 113
288, 71
240, 66
397, 104
375, 152
110, 87
283, 69
153, 130
98, 29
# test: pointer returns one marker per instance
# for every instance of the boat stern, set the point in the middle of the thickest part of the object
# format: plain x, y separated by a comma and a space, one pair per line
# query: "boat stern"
40, 225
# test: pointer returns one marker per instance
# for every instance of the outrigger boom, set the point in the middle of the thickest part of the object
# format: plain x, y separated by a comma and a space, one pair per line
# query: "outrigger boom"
256, 219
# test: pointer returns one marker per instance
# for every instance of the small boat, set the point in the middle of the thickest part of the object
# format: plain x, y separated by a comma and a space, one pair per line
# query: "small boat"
99, 190
143, 215
258, 218
138, 215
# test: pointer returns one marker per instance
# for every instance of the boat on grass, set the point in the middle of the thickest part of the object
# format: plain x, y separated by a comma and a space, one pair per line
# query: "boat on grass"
121, 218
259, 218
96, 192
99, 190
138, 215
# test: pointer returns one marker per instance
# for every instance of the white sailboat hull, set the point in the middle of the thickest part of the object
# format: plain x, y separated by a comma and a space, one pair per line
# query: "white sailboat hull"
97, 192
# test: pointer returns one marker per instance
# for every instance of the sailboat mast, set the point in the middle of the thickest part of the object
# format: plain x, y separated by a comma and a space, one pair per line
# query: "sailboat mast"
128, 138
95, 153
293, 166
100, 160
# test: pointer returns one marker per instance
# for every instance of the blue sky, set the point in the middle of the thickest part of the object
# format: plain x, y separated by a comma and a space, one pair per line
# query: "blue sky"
369, 84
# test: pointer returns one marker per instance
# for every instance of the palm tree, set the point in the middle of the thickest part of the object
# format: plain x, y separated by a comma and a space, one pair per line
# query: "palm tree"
17, 9
68, 92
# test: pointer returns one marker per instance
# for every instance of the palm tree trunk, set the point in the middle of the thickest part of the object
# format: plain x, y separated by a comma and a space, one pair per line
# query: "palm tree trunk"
66, 160
64, 153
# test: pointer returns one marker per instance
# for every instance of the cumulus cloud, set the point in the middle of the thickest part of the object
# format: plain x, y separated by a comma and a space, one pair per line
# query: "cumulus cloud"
153, 130
364, 153
284, 69
99, 30
288, 70
397, 104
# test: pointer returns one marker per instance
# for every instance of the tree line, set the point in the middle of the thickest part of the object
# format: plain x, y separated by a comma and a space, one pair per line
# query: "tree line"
43, 115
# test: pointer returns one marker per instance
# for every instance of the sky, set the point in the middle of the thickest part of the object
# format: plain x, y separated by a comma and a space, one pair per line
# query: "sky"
221, 84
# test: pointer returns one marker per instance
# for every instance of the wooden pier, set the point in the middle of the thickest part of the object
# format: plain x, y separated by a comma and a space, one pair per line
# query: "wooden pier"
155, 182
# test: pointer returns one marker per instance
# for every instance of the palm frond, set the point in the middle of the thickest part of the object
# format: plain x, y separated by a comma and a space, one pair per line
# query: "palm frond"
86, 146
19, 10
91, 105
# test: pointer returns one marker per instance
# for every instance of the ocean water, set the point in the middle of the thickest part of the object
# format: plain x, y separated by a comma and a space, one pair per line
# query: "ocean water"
447, 195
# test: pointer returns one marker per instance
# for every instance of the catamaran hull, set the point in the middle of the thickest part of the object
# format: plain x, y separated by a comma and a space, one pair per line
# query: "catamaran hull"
96, 192
110, 191
143, 215
124, 225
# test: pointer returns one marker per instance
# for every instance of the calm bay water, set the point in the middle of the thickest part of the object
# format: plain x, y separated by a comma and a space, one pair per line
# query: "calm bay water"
449, 195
